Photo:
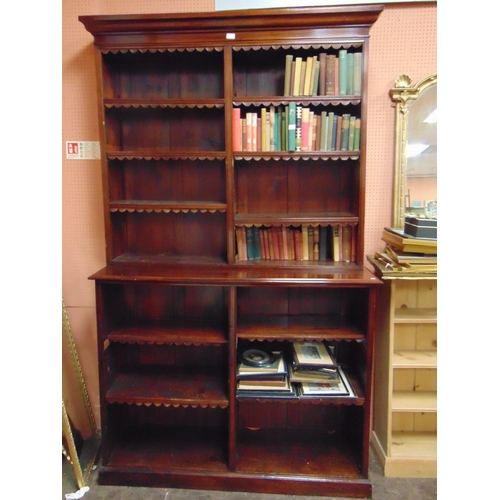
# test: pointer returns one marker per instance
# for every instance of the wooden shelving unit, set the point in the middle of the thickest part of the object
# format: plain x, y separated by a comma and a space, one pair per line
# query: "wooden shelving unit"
404, 433
177, 303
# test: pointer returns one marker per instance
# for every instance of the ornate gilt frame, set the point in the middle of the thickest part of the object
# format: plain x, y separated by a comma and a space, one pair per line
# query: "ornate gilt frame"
81, 474
402, 95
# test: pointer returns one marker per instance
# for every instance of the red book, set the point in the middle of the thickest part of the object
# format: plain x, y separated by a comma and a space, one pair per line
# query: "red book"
236, 129
304, 138
262, 245
275, 239
266, 243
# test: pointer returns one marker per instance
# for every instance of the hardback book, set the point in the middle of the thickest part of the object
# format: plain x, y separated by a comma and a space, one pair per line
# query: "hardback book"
322, 73
310, 242
288, 73
312, 354
336, 243
352, 126
264, 121
339, 132
323, 235
357, 134
330, 75
254, 131
250, 243
296, 77
357, 73
324, 131
305, 245
305, 130
241, 242
346, 242
249, 130
256, 240
297, 244
342, 72
344, 138
333, 144
316, 78
308, 76
298, 128
272, 118
302, 77
316, 243
292, 110
237, 129
350, 73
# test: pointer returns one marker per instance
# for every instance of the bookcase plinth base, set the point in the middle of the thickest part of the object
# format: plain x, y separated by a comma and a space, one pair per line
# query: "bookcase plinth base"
235, 481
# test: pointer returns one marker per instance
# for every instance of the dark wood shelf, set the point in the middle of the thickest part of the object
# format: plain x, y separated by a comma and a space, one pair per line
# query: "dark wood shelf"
192, 387
186, 332
295, 155
164, 154
290, 328
166, 206
296, 219
333, 100
163, 103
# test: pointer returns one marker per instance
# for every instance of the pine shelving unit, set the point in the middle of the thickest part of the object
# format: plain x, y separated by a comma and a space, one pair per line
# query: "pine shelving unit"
404, 433
176, 303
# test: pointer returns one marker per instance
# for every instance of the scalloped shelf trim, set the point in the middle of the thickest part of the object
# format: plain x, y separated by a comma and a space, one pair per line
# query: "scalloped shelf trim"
342, 45
314, 401
120, 157
168, 210
163, 105
279, 224
166, 405
152, 50
295, 338
303, 100
297, 156
160, 342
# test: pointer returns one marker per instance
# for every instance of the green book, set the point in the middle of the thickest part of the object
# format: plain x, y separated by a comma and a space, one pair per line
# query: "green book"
250, 243
350, 73
357, 134
323, 131
292, 116
352, 124
333, 145
344, 135
358, 71
329, 134
298, 128
342, 72
256, 243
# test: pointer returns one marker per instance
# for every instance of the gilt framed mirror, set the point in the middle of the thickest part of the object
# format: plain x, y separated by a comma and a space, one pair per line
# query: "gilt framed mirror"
415, 163
80, 436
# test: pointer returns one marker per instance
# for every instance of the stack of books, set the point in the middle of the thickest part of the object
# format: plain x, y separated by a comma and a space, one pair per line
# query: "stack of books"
262, 374
405, 254
315, 372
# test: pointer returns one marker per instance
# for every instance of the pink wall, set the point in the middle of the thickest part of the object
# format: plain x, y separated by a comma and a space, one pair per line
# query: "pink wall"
403, 40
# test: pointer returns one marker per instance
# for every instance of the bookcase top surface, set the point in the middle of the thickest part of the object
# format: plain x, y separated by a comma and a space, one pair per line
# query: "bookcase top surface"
236, 276
254, 19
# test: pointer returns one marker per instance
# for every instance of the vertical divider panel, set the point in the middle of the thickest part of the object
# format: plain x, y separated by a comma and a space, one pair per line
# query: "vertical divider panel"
232, 377
228, 110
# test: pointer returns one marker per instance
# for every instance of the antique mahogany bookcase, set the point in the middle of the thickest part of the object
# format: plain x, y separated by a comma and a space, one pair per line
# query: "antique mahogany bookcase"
178, 302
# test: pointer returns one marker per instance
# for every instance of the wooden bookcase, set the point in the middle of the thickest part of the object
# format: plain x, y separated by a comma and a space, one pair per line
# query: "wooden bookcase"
177, 301
405, 414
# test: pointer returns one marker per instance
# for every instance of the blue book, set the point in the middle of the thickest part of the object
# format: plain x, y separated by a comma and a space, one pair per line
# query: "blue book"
256, 243
250, 243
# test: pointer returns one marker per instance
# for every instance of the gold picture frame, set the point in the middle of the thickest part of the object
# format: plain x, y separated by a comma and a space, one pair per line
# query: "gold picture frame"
83, 462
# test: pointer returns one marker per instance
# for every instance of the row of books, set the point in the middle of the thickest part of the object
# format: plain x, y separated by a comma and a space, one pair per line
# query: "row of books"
308, 369
302, 243
326, 74
295, 128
